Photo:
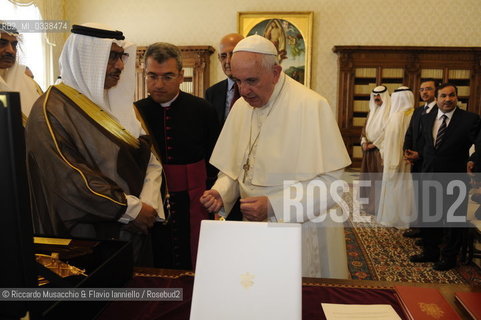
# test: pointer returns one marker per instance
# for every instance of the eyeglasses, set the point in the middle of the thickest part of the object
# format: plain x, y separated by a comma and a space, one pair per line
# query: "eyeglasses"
224, 55
426, 89
168, 77
114, 56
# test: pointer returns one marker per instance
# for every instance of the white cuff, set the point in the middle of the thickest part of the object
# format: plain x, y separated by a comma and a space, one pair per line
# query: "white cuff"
229, 192
134, 205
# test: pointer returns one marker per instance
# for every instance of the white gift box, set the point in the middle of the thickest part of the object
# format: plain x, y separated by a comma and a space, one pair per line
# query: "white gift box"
248, 270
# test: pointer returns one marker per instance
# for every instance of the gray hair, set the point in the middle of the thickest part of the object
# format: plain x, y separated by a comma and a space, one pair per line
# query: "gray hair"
162, 51
268, 61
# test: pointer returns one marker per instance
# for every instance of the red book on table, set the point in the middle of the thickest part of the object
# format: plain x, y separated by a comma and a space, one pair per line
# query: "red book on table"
425, 304
471, 301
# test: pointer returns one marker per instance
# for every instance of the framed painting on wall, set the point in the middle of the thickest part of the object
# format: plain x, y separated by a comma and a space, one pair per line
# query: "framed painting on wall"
291, 33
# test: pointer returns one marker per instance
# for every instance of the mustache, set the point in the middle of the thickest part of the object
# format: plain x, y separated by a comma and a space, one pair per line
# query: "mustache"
115, 73
7, 55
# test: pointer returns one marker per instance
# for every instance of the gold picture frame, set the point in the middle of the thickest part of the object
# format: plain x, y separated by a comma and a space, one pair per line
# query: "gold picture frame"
291, 32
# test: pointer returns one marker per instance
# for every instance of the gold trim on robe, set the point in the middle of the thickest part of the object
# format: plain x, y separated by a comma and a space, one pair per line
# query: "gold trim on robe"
24, 119
98, 115
49, 125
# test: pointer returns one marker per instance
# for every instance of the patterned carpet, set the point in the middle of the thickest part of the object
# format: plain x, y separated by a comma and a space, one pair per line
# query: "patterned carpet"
380, 253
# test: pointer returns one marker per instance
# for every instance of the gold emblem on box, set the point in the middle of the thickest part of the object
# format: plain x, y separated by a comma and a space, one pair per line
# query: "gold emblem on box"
247, 280
59, 267
431, 309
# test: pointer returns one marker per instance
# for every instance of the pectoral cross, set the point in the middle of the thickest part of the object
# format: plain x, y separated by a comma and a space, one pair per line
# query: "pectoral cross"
246, 168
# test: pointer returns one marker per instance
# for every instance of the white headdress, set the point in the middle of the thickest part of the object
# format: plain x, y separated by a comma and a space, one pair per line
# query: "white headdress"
83, 64
402, 99
378, 115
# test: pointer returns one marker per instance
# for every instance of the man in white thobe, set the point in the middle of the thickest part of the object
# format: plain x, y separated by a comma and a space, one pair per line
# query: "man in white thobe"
280, 139
12, 74
89, 163
372, 138
396, 199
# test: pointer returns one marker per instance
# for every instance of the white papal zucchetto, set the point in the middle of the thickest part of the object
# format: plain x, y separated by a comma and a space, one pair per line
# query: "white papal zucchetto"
256, 44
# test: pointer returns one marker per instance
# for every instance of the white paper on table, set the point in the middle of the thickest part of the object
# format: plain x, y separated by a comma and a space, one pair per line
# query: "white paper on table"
334, 311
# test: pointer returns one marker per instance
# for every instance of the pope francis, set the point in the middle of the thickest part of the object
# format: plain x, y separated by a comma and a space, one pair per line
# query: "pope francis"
281, 138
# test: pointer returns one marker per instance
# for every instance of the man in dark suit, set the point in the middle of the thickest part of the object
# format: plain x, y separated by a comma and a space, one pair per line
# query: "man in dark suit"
223, 94
448, 135
413, 141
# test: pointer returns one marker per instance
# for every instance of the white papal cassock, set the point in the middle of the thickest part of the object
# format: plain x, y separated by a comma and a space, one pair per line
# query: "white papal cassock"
295, 138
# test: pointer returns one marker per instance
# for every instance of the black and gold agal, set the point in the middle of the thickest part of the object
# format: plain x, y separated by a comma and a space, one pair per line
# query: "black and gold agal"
97, 33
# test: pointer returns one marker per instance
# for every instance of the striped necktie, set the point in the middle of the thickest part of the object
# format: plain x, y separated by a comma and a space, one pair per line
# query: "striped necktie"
441, 132
425, 109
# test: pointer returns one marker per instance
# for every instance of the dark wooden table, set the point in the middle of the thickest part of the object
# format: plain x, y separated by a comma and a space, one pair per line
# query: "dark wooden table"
447, 290
383, 289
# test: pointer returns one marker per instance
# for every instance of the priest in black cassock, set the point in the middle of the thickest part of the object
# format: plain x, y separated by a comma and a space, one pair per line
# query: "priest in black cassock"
185, 129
